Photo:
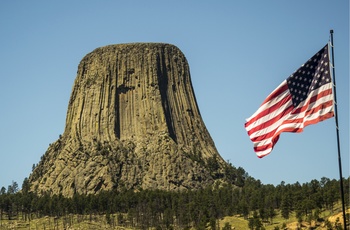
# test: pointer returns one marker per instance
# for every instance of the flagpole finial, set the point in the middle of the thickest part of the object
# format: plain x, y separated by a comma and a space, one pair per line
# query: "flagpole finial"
331, 31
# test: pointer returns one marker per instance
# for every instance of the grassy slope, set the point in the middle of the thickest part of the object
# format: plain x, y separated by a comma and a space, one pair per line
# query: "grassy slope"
240, 223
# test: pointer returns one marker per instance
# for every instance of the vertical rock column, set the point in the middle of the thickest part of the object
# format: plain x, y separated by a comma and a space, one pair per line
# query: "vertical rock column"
132, 119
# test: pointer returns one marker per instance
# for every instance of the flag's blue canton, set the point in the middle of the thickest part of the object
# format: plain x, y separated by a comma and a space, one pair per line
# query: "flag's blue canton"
310, 76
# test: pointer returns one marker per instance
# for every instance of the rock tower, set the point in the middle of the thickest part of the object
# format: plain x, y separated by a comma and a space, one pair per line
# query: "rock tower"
132, 122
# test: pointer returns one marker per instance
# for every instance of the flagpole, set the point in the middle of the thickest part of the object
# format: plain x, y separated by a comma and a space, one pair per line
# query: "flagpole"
337, 129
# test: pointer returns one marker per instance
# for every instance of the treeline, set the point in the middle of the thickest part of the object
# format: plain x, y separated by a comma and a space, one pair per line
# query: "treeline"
164, 209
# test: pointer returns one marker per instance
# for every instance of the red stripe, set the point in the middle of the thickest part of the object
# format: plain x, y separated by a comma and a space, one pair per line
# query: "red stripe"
273, 133
262, 148
274, 140
299, 130
312, 100
269, 110
261, 156
290, 129
271, 121
278, 105
319, 119
276, 93
293, 121
308, 113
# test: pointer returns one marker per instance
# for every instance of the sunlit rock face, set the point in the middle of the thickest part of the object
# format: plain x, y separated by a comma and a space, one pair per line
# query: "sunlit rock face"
132, 123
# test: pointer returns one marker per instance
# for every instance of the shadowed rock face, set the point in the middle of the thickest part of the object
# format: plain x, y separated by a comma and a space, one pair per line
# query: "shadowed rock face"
132, 122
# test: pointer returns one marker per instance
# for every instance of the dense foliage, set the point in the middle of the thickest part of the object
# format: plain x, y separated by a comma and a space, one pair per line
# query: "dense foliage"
164, 209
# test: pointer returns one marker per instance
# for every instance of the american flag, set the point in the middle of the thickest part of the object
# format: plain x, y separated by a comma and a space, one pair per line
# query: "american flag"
304, 98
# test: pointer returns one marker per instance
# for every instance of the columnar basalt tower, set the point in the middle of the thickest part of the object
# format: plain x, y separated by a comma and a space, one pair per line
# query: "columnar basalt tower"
132, 122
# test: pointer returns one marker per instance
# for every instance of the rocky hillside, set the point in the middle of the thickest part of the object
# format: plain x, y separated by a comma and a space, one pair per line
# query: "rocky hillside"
132, 122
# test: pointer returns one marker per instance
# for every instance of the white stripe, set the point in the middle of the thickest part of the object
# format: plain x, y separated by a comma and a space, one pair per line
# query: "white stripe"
289, 116
270, 103
269, 116
263, 153
316, 92
311, 106
319, 113
313, 116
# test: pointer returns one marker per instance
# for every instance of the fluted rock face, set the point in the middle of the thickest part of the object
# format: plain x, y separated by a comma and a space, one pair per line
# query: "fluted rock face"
132, 122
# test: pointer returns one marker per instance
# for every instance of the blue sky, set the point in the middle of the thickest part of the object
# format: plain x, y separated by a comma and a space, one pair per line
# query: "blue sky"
238, 52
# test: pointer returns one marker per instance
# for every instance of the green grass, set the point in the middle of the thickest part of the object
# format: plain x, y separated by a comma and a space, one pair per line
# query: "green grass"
239, 222
68, 222
236, 222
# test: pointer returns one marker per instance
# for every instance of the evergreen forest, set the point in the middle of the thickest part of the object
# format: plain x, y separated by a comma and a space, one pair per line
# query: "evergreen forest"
190, 209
